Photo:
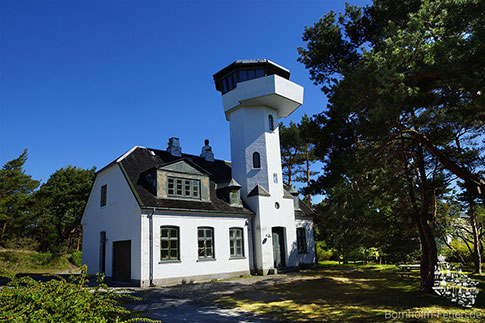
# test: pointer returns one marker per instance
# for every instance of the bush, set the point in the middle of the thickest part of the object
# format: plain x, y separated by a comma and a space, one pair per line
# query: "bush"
76, 258
322, 252
57, 300
23, 243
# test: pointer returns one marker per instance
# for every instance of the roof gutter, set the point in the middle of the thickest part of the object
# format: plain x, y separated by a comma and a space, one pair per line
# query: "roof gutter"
194, 211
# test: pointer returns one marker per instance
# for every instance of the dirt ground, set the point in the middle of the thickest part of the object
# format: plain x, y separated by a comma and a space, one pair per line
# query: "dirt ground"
194, 302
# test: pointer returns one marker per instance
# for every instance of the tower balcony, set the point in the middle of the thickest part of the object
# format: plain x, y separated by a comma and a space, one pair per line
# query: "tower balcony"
258, 82
273, 91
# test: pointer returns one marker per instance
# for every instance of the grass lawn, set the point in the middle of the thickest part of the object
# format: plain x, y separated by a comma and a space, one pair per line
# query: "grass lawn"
31, 262
360, 293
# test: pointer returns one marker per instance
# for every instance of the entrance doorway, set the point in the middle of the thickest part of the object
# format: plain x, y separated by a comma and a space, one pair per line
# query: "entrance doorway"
278, 234
122, 261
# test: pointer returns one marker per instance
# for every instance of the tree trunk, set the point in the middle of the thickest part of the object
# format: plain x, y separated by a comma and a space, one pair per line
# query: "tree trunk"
79, 238
289, 175
308, 175
429, 257
477, 259
4, 227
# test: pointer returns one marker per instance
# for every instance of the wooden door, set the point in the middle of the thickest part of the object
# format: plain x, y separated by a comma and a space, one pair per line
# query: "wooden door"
122, 261
278, 247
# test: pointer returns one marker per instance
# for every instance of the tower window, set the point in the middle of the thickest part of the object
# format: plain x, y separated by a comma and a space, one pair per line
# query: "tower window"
256, 160
271, 122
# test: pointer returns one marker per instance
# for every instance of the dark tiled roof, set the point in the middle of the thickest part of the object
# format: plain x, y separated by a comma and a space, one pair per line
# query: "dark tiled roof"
258, 190
141, 160
304, 210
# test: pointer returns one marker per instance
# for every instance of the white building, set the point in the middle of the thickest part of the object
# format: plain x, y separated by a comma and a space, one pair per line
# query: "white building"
161, 217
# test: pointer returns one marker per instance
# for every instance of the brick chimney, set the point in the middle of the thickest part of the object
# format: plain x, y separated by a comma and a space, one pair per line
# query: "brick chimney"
174, 147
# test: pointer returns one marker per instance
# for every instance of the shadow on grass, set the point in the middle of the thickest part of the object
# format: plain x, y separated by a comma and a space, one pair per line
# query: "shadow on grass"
347, 293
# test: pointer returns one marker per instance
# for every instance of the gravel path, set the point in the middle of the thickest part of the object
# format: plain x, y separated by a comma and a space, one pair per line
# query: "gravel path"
194, 302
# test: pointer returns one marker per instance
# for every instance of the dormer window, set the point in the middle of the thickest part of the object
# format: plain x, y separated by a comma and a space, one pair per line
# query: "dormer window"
256, 160
182, 187
271, 122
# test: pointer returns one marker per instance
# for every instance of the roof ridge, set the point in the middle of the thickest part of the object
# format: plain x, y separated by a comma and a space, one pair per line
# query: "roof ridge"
184, 155
128, 153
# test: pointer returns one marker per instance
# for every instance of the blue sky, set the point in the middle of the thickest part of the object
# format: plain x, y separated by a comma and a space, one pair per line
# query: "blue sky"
81, 82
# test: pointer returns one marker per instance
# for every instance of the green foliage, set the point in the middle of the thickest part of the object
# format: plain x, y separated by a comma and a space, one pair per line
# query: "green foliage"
76, 258
297, 151
456, 250
21, 243
58, 300
404, 83
15, 190
60, 204
323, 253
46, 219
19, 261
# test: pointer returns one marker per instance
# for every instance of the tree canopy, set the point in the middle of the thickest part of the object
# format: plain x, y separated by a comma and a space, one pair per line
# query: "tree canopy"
405, 85
47, 218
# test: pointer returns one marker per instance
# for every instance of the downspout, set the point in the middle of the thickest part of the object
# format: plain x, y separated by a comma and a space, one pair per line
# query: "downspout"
150, 242
255, 264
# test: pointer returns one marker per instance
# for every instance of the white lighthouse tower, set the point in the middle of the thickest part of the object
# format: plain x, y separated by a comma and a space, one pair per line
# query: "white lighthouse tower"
255, 95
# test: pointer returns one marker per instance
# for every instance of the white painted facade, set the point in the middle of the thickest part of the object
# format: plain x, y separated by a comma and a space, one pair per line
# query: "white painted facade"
248, 108
119, 218
122, 219
182, 271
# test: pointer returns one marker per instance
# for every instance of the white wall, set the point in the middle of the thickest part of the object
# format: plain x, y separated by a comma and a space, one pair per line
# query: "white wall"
119, 218
248, 107
310, 256
189, 265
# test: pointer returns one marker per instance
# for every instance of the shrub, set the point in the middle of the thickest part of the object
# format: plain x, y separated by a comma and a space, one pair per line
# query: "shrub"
24, 243
322, 252
58, 300
76, 258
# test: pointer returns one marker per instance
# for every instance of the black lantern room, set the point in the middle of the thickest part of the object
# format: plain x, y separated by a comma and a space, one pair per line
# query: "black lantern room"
245, 70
